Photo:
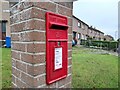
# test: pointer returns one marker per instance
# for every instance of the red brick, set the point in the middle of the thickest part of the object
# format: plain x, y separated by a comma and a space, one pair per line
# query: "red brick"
39, 25
15, 37
61, 3
39, 69
28, 25
17, 27
70, 30
16, 72
14, 10
15, 19
14, 63
21, 6
46, 6
21, 66
18, 46
35, 70
26, 36
53, 85
30, 70
15, 55
69, 70
25, 5
64, 11
69, 45
13, 87
33, 59
32, 36
22, 84
13, 70
39, 81
39, 59
68, 79
69, 53
36, 48
68, 85
64, 81
27, 58
29, 14
70, 38
70, 21
29, 80
22, 47
61, 82
69, 4
36, 13
39, 36
70, 61
66, 4
13, 79
26, 15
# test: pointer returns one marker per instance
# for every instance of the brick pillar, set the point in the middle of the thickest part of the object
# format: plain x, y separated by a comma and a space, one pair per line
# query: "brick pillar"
28, 36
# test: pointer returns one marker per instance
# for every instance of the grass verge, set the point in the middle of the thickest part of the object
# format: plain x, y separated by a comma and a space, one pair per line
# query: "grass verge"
92, 70
89, 69
6, 68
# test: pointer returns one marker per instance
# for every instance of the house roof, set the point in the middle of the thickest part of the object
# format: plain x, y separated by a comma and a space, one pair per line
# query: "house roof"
87, 25
96, 30
109, 36
80, 20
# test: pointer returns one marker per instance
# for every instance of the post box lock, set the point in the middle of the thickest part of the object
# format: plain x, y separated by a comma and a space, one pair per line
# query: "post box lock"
58, 43
56, 47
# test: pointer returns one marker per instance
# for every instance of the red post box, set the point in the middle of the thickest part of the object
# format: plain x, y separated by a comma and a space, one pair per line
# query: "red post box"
56, 47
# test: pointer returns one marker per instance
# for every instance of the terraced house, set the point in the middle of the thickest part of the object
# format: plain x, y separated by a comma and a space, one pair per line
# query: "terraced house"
108, 38
4, 20
82, 31
95, 34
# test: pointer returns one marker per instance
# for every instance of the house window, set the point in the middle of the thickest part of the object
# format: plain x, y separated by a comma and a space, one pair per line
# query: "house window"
78, 35
79, 24
3, 26
74, 35
3, 29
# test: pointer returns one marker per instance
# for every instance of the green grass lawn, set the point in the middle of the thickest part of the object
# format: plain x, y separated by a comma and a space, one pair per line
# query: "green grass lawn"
92, 70
89, 69
6, 68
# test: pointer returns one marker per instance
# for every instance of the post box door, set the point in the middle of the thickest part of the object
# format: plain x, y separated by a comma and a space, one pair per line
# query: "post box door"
57, 72
56, 47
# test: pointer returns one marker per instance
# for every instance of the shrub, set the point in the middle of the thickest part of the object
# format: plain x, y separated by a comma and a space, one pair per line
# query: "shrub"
109, 45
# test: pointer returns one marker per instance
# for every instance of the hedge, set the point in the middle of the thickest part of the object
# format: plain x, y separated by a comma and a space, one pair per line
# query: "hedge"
109, 45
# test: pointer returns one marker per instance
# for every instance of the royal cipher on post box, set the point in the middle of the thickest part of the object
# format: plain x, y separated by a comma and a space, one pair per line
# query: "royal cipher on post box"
56, 47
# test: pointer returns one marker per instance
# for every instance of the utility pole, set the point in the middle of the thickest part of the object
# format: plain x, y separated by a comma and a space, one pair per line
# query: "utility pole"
116, 35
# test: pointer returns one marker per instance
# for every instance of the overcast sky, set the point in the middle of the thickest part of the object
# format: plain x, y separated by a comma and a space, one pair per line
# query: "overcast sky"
102, 14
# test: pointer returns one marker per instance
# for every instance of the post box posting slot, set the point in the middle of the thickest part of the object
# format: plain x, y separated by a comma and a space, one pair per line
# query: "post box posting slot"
56, 47
58, 26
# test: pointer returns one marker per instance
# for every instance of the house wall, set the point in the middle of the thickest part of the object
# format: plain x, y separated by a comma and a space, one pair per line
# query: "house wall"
108, 38
5, 15
77, 29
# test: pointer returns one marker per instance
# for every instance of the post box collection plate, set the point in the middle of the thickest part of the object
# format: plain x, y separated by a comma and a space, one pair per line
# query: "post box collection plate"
56, 47
58, 58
